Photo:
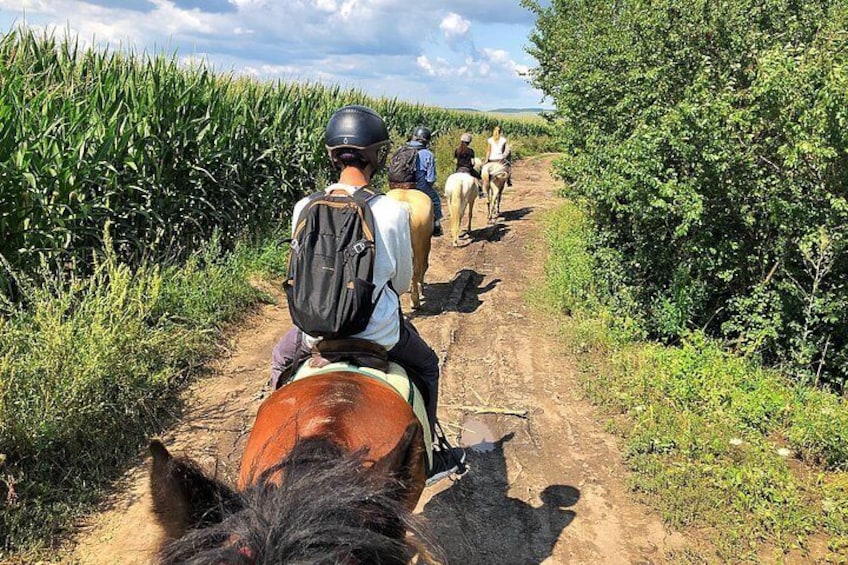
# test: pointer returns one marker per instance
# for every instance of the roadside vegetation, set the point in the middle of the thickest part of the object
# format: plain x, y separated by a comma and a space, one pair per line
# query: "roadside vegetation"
139, 201
717, 443
700, 257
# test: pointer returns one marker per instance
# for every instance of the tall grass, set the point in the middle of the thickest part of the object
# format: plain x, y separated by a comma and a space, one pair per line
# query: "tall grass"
167, 154
91, 367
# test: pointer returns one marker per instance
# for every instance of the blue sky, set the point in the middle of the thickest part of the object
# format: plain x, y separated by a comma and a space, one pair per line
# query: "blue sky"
453, 53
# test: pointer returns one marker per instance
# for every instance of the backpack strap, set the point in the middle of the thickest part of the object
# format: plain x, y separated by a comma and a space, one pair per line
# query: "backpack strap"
364, 195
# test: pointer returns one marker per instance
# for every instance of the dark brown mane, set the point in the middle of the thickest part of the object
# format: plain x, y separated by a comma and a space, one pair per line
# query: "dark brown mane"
328, 509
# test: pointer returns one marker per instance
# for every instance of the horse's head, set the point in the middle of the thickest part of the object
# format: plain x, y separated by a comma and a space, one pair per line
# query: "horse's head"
304, 485
183, 496
305, 518
477, 163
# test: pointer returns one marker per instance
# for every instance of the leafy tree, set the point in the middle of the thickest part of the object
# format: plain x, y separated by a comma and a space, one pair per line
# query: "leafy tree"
709, 142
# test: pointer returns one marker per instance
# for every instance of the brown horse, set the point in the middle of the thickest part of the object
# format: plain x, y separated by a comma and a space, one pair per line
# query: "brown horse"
331, 472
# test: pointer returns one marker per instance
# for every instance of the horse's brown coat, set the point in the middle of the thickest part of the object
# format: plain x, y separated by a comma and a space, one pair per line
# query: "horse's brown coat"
352, 411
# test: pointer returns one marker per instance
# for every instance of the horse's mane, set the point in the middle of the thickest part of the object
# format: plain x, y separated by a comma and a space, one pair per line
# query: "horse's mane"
328, 510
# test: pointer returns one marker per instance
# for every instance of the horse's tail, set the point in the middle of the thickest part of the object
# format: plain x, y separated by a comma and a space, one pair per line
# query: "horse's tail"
485, 178
454, 205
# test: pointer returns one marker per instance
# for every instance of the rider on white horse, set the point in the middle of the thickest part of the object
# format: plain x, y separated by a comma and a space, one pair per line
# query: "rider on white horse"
465, 160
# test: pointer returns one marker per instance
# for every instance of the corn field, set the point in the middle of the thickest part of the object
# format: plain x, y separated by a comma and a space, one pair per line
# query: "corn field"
166, 155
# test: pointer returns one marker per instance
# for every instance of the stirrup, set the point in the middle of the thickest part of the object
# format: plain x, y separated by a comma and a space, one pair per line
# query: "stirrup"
454, 464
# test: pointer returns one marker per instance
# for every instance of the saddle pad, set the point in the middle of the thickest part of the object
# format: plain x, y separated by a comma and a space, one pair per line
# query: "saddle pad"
396, 378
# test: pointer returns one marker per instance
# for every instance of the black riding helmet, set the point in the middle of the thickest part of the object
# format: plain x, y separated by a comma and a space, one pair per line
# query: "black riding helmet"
422, 133
361, 128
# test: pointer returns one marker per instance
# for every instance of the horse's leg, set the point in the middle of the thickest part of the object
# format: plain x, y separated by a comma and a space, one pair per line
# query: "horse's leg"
457, 235
413, 290
500, 196
491, 196
455, 204
490, 203
471, 206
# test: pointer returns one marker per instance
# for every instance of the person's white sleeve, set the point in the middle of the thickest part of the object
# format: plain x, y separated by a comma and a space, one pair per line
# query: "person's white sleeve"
298, 208
402, 251
507, 150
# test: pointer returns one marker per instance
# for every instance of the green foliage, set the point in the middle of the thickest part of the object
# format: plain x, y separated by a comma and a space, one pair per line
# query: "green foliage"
168, 155
704, 429
708, 140
89, 370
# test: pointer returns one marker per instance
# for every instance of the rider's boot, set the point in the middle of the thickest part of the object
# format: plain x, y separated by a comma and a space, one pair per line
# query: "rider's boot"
437, 229
447, 460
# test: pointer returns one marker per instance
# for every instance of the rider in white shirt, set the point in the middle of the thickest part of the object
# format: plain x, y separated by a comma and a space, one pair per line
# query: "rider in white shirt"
498, 150
357, 140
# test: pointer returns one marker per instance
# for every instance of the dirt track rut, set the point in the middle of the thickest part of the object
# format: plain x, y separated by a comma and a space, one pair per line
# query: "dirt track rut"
550, 488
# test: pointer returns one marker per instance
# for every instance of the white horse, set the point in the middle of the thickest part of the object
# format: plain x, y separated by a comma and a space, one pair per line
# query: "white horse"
461, 192
494, 178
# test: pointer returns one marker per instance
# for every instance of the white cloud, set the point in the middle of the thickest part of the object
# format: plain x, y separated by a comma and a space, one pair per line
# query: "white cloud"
424, 62
454, 25
388, 47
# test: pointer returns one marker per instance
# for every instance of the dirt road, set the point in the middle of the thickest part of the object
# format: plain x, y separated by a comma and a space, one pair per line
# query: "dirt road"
548, 488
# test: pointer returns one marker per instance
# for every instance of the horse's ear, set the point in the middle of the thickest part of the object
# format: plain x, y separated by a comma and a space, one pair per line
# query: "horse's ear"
183, 497
405, 462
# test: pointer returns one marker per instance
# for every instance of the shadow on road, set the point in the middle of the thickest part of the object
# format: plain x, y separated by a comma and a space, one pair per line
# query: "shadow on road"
492, 233
477, 522
515, 215
461, 294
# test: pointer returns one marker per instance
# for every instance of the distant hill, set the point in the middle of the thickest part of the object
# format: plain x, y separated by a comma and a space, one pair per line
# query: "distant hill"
517, 110
505, 110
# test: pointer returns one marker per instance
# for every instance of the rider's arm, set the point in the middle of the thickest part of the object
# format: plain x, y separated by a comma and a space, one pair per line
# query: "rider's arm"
298, 208
400, 249
428, 163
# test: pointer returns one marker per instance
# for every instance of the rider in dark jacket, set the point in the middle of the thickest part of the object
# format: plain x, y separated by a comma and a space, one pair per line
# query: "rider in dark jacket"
465, 157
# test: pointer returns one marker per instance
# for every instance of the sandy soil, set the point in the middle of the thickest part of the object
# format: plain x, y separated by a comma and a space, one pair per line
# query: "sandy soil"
548, 488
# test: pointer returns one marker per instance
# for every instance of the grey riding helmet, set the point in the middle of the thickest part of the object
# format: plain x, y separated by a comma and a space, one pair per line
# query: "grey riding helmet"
361, 128
465, 138
422, 133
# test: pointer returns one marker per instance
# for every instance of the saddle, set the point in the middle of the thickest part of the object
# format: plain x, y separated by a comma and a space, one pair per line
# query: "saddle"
369, 360
358, 352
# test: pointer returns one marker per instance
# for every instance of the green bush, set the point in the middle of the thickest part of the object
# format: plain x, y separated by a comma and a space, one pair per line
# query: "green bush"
711, 436
708, 140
